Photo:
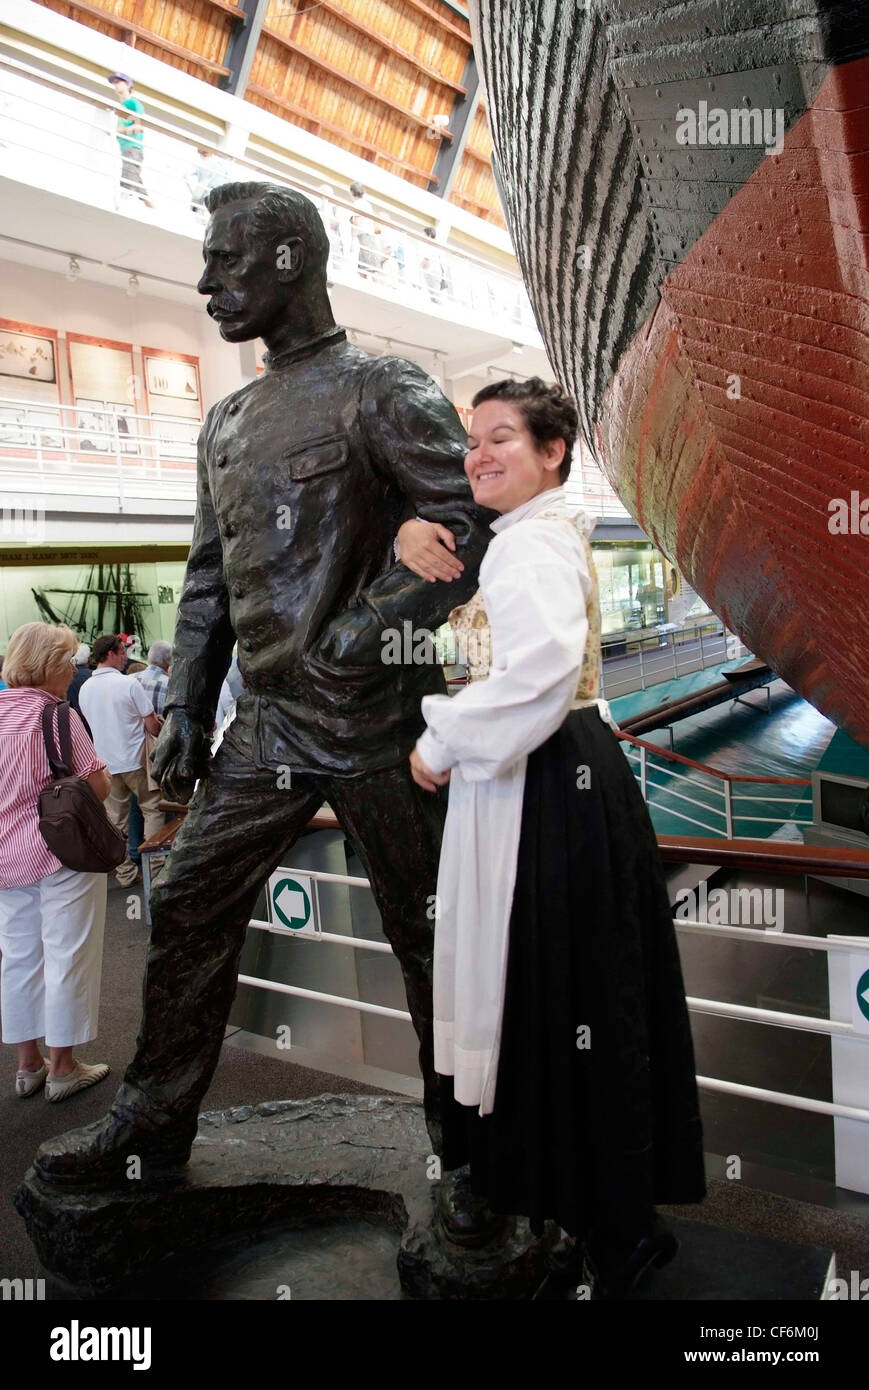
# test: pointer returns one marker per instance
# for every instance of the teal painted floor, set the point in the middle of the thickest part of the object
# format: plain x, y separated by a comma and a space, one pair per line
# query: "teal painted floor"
738, 738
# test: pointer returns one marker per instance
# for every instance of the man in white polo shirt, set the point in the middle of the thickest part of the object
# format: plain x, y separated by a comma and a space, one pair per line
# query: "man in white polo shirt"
119, 712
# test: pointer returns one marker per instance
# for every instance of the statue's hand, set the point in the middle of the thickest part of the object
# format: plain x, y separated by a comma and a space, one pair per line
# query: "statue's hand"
180, 756
351, 639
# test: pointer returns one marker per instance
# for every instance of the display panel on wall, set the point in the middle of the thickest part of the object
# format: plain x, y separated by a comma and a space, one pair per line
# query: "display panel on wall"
104, 391
172, 384
29, 372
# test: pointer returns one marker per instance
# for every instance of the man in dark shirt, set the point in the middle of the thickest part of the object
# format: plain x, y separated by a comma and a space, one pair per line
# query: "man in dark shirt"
304, 477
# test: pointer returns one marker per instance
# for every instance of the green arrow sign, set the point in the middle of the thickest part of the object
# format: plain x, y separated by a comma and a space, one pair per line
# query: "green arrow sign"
863, 994
291, 903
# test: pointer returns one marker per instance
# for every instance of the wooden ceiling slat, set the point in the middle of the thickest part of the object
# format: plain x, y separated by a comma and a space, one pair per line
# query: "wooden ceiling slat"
343, 76
331, 7
301, 113
127, 26
431, 14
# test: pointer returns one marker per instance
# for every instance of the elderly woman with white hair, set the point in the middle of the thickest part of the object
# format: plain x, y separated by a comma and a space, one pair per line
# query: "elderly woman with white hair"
51, 917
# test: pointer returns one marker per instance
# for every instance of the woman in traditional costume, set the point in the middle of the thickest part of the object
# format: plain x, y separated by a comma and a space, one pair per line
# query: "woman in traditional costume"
561, 1029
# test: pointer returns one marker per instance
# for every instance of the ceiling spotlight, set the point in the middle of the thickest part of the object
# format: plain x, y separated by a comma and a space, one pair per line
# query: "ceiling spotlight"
73, 270
387, 346
518, 349
133, 286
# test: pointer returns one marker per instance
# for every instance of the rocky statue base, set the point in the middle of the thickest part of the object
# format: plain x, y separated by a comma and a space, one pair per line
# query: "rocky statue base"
319, 1194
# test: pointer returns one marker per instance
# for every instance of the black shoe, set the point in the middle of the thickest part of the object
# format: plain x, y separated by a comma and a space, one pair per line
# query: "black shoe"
613, 1276
465, 1218
98, 1153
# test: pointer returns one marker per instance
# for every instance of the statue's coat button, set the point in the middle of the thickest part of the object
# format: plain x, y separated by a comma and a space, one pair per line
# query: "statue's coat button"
229, 530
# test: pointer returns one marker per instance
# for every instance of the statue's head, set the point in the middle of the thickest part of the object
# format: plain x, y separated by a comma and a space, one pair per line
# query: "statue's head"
265, 253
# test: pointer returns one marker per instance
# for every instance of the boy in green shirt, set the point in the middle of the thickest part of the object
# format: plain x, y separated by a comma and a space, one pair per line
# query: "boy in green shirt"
131, 137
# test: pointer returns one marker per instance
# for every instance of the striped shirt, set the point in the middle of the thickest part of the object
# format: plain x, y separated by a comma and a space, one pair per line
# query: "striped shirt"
24, 856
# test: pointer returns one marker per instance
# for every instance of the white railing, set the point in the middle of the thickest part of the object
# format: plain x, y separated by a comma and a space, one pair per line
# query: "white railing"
719, 1008
636, 661
672, 784
55, 136
107, 449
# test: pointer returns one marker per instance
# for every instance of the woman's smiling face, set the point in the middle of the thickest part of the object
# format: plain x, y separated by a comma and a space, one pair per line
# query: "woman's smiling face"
504, 463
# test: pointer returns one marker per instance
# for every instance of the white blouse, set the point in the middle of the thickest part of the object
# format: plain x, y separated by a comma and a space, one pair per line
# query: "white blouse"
535, 582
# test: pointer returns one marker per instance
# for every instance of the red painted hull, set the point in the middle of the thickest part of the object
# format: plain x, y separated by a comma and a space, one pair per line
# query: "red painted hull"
737, 487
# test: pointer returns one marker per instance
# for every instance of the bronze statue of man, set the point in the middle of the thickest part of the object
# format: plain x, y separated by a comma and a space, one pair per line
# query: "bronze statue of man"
304, 477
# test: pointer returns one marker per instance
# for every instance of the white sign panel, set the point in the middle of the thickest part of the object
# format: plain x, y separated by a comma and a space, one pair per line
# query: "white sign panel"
860, 993
292, 905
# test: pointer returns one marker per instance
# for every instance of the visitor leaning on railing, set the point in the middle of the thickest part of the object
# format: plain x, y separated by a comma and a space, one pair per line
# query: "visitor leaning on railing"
51, 918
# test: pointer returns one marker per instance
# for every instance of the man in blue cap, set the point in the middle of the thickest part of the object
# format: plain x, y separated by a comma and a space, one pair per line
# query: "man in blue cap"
131, 137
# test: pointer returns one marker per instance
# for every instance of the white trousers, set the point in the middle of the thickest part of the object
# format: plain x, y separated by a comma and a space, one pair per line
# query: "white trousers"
51, 936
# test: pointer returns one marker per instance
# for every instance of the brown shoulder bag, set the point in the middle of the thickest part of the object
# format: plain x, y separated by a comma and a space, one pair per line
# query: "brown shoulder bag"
72, 819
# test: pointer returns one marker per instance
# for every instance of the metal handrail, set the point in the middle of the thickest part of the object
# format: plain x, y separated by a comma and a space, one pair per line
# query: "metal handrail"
718, 1008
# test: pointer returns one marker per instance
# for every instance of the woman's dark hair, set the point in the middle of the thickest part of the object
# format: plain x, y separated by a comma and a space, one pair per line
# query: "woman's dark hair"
548, 412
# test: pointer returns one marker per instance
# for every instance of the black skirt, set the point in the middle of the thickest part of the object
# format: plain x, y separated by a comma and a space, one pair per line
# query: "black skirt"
596, 1116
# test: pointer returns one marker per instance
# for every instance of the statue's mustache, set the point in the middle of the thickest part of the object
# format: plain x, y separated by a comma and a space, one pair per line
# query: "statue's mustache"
222, 304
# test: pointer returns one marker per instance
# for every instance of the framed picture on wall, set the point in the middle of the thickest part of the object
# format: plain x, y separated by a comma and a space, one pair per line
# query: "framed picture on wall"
27, 355
34, 427
102, 371
29, 363
93, 430
172, 384
177, 436
127, 427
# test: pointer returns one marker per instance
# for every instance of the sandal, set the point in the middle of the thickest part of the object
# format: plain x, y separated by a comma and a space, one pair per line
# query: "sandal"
82, 1076
28, 1082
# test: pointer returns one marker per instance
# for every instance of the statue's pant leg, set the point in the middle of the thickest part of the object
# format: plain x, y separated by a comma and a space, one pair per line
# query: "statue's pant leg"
238, 827
396, 829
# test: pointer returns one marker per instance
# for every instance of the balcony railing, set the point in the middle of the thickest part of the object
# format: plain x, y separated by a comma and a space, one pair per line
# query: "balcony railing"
64, 448
55, 136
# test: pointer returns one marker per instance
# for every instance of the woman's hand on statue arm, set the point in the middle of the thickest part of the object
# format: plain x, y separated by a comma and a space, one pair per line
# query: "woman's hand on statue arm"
425, 546
423, 775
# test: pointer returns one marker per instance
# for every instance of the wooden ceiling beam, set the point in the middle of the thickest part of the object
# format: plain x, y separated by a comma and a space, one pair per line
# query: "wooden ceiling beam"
228, 6
139, 31
331, 7
446, 24
326, 66
301, 113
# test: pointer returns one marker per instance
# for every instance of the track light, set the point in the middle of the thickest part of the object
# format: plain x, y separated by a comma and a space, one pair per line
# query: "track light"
73, 270
133, 286
518, 349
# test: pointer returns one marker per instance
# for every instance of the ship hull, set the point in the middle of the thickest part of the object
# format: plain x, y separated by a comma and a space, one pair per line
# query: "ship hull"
708, 303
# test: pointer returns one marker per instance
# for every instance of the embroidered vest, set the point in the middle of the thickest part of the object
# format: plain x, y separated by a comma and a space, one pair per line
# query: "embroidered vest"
470, 625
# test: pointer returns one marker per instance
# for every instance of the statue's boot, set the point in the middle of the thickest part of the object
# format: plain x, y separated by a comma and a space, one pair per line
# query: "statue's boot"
465, 1218
104, 1152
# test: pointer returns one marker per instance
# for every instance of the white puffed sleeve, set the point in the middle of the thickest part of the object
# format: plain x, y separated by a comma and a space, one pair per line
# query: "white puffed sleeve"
535, 582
